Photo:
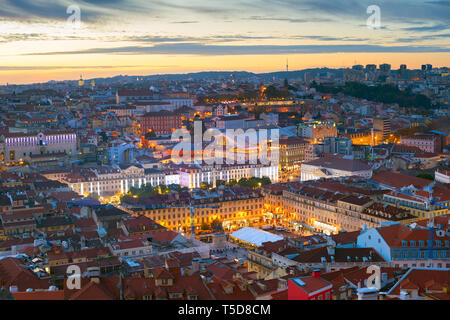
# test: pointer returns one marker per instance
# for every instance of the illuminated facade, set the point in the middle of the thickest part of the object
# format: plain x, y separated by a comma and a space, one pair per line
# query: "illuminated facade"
16, 147
233, 212
329, 212
194, 176
317, 130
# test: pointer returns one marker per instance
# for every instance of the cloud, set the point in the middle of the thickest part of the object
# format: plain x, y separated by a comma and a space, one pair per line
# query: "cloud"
424, 38
184, 22
328, 38
259, 18
202, 49
437, 27
440, 3
46, 68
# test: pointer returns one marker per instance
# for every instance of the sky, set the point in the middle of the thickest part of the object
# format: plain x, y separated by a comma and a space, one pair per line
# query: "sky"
42, 40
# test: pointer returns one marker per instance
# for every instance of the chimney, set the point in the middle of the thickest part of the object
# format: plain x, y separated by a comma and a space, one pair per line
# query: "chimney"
195, 265
316, 273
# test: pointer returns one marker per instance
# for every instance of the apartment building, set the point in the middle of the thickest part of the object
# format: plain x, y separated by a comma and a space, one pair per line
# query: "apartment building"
410, 246
334, 167
17, 147
193, 176
234, 207
329, 212
427, 143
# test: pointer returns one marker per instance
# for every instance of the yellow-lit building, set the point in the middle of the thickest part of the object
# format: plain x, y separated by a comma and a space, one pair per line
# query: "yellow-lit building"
233, 213
330, 212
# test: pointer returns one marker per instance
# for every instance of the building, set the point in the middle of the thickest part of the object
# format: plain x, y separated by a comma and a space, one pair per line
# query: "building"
371, 67
269, 118
309, 288
422, 284
410, 246
316, 131
428, 143
442, 176
253, 237
160, 123
124, 96
427, 67
121, 152
106, 180
234, 207
292, 154
193, 176
337, 145
383, 125
385, 67
334, 167
328, 259
260, 260
321, 208
419, 203
17, 147
231, 122
394, 180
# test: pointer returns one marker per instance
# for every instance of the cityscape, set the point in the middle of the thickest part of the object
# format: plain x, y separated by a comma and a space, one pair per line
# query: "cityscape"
220, 182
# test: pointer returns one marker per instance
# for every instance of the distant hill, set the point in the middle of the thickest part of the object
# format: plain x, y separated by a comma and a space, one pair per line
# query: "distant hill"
225, 75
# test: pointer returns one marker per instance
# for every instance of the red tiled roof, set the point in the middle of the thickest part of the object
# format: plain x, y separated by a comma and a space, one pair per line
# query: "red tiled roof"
13, 273
311, 284
398, 180
422, 280
39, 295
395, 234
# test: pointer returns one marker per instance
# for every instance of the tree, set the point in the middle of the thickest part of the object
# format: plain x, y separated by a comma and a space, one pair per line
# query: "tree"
94, 195
205, 226
220, 183
216, 225
149, 135
104, 136
205, 186
425, 176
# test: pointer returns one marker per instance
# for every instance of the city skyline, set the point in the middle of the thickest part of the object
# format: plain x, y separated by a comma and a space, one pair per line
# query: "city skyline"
136, 37
235, 153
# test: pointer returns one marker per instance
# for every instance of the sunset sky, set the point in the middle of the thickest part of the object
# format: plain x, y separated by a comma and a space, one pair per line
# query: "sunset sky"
142, 37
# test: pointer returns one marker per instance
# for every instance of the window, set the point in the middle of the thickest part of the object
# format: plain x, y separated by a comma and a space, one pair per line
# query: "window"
404, 243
